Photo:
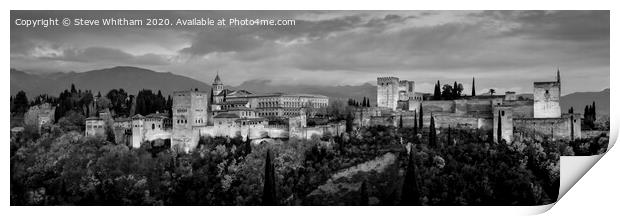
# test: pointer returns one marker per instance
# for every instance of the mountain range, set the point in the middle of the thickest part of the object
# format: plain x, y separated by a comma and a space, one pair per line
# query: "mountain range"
133, 79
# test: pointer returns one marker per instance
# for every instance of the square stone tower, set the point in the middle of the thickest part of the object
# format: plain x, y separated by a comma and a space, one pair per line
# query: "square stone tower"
137, 130
189, 113
388, 92
547, 100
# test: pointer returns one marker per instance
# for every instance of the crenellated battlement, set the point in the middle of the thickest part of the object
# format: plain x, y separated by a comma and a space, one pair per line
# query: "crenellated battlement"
385, 80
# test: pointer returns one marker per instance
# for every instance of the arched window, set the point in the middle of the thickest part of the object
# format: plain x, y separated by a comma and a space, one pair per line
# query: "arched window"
153, 126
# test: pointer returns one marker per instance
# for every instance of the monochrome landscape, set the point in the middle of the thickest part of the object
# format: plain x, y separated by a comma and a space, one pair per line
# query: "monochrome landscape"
341, 108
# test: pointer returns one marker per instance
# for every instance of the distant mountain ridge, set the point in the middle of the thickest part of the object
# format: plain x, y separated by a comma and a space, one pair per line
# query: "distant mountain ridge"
131, 79
334, 92
579, 100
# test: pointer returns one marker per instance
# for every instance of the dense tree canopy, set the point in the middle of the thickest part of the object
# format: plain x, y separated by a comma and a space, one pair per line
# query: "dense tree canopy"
20, 103
65, 168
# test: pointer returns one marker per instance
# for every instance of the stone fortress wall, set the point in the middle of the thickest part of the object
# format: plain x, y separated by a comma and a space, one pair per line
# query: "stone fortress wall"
191, 120
518, 116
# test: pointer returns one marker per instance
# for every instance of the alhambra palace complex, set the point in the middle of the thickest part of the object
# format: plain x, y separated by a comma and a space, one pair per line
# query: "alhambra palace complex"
518, 116
231, 113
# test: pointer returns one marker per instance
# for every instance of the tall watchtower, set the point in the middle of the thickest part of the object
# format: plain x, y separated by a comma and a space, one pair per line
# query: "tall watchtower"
189, 111
387, 92
547, 99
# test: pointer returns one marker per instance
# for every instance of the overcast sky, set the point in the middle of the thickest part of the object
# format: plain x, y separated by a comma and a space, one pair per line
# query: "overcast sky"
504, 50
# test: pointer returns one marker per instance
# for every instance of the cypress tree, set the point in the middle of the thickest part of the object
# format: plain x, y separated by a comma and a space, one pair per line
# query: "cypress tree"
586, 116
432, 135
437, 93
410, 194
593, 112
211, 97
364, 194
169, 106
499, 126
415, 123
473, 86
269, 187
455, 93
421, 118
349, 122
449, 135
248, 146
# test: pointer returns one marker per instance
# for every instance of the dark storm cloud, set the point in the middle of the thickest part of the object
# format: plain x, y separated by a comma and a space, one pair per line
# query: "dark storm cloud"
555, 25
445, 46
533, 39
339, 47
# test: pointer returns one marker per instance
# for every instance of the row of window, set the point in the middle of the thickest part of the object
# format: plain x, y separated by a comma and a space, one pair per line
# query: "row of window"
242, 123
228, 106
250, 123
184, 121
246, 113
268, 114
290, 104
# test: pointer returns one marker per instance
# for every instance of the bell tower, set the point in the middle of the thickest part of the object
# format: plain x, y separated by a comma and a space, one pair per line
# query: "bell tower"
218, 86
